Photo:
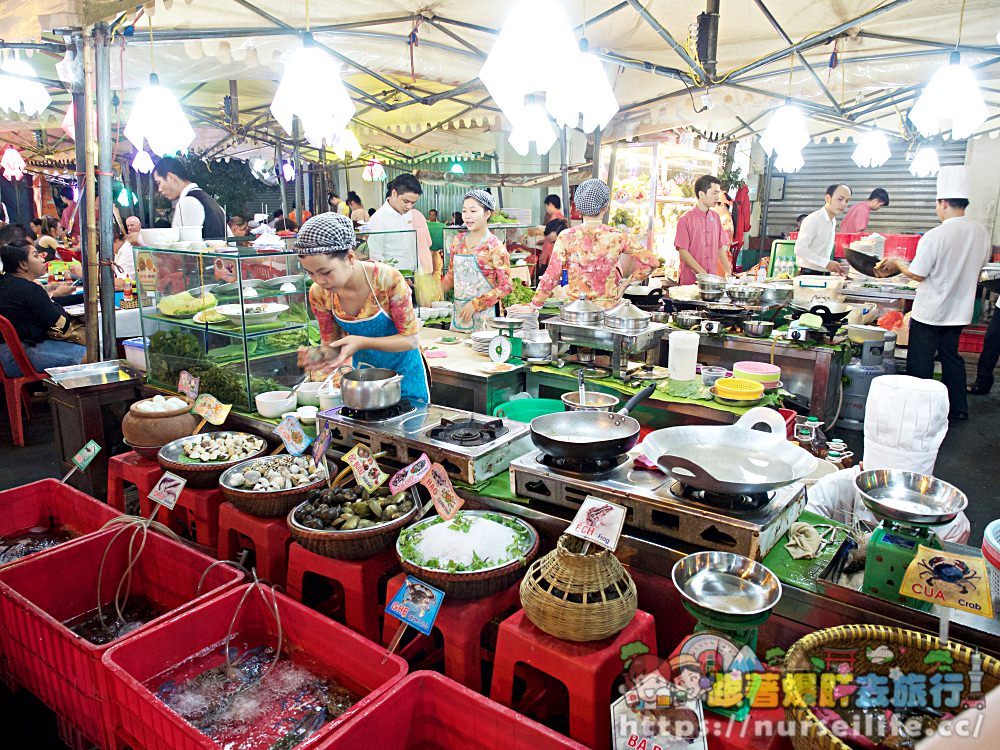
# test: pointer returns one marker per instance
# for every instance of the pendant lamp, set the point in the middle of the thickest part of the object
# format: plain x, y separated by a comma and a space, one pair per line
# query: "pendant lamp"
872, 149
925, 162
951, 100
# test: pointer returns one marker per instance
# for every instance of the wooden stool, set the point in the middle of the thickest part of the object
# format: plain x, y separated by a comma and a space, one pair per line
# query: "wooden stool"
355, 600
194, 508
460, 623
133, 468
587, 670
268, 538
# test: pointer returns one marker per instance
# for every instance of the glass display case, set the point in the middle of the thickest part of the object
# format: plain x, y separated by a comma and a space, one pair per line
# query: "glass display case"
234, 317
397, 248
652, 186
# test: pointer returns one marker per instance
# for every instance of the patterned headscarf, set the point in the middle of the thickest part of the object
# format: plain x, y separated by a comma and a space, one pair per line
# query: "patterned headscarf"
325, 234
483, 198
592, 197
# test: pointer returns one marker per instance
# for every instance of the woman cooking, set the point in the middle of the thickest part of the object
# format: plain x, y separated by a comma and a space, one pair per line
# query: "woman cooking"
364, 309
480, 266
590, 252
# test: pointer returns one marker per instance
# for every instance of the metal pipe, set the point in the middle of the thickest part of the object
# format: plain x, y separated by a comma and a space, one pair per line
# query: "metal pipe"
766, 201
279, 166
595, 169
564, 165
645, 65
452, 35
57, 47
300, 210
611, 178
989, 49
708, 43
106, 252
669, 39
88, 227
600, 17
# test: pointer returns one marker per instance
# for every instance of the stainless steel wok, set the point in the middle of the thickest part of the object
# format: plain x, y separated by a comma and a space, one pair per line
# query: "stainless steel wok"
731, 460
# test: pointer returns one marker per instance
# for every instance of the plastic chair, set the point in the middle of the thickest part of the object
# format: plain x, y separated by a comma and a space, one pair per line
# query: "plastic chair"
17, 397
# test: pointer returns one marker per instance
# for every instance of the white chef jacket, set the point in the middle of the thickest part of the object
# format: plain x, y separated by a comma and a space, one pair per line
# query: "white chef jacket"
402, 248
950, 257
815, 240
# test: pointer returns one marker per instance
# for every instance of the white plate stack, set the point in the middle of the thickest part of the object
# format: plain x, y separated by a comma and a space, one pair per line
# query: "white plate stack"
530, 320
481, 341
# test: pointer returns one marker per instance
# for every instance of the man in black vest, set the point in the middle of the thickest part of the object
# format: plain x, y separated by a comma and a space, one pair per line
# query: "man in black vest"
193, 207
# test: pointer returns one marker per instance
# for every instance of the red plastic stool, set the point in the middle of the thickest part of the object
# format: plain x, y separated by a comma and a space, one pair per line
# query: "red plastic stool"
133, 468
359, 604
461, 623
267, 537
197, 508
588, 670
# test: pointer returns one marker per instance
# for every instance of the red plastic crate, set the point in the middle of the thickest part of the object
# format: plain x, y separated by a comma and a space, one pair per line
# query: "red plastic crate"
50, 502
789, 416
901, 246
41, 592
320, 644
427, 711
971, 339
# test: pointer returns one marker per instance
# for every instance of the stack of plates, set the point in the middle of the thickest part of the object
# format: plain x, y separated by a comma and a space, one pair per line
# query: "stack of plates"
481, 341
530, 319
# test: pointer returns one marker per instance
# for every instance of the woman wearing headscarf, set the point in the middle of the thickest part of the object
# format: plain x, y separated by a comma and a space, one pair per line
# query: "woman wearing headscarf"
589, 253
480, 266
363, 308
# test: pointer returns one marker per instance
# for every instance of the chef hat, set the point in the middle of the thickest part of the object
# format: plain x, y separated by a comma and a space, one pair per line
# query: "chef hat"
905, 421
953, 182
592, 197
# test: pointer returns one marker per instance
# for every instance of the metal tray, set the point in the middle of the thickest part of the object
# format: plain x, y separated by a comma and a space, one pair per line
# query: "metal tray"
95, 373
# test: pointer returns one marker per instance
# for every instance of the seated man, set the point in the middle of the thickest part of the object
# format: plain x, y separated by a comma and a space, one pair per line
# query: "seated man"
905, 423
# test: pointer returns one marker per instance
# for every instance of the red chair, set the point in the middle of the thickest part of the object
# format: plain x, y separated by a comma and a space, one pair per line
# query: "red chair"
13, 388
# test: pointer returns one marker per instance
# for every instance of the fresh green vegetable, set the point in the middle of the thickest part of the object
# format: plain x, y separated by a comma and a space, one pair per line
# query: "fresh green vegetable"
499, 217
522, 294
184, 304
173, 351
623, 218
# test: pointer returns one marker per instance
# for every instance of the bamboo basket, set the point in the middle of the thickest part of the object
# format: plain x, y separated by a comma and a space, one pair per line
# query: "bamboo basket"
354, 544
578, 597
856, 640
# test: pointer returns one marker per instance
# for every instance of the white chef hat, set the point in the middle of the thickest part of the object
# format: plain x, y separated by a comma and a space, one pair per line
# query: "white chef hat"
953, 182
905, 422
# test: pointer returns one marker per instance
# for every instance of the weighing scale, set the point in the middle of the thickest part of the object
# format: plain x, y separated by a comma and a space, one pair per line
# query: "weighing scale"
505, 345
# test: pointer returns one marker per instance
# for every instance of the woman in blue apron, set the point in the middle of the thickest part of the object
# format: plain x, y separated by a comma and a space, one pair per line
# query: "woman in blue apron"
480, 266
364, 309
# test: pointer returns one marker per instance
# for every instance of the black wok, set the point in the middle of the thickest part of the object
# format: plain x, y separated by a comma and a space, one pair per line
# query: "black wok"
861, 262
589, 434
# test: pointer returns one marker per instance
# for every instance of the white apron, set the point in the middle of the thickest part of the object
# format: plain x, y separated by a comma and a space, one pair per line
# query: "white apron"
469, 284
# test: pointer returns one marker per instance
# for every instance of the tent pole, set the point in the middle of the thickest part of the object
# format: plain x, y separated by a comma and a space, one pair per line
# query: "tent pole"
88, 227
669, 39
765, 204
595, 167
300, 206
280, 167
105, 252
564, 166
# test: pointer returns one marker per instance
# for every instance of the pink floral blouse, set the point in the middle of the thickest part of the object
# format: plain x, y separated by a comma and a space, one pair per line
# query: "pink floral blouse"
393, 295
590, 253
494, 263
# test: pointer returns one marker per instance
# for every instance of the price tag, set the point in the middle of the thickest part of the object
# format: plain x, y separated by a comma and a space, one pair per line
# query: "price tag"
85, 455
320, 445
292, 435
949, 579
446, 500
598, 521
167, 490
188, 385
366, 470
210, 409
416, 604
411, 475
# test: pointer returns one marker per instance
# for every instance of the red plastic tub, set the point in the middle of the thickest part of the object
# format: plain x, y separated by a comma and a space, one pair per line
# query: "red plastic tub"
318, 643
789, 416
972, 339
39, 593
428, 711
51, 503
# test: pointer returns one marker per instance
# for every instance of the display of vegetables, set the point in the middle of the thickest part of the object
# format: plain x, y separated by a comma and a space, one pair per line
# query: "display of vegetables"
179, 305
499, 217
522, 294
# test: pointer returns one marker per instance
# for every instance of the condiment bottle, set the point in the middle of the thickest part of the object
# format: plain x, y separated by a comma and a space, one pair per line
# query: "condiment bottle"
127, 292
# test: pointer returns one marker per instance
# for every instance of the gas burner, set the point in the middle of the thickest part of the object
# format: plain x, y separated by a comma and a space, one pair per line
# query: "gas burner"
377, 415
467, 432
582, 467
733, 503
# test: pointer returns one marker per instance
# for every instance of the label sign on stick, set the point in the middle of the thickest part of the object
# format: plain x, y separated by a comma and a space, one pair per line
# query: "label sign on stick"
167, 490
598, 521
85, 455
366, 470
446, 500
292, 435
410, 475
949, 579
416, 604
188, 384
321, 444
210, 409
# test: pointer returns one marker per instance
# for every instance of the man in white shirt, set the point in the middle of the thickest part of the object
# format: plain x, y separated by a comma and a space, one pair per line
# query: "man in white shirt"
401, 248
193, 207
948, 261
815, 242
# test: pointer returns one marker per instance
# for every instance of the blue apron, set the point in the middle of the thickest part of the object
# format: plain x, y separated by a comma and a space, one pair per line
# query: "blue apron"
408, 364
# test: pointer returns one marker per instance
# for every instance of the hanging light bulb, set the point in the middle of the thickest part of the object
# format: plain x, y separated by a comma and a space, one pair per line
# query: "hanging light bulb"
786, 135
12, 163
789, 162
872, 150
126, 197
374, 172
457, 168
287, 171
21, 91
158, 119
531, 123
950, 101
68, 124
321, 117
142, 163
925, 162
346, 143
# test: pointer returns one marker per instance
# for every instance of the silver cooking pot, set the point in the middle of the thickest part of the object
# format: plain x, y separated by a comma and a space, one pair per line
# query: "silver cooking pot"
370, 387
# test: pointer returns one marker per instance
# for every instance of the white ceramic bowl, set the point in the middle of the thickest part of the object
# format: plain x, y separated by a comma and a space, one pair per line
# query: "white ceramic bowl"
443, 305
156, 237
273, 404
425, 313
268, 312
190, 234
308, 394
329, 398
307, 414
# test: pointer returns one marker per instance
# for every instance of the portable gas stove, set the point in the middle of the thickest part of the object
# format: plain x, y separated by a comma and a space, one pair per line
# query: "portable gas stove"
746, 524
471, 447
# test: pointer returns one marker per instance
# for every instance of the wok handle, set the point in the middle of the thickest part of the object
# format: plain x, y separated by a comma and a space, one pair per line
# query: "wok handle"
637, 399
763, 415
671, 464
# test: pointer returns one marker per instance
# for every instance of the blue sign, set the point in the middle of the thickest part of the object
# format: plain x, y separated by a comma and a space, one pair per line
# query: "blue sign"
416, 604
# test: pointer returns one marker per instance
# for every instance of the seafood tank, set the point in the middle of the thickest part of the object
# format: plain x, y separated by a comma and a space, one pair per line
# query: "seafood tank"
28, 541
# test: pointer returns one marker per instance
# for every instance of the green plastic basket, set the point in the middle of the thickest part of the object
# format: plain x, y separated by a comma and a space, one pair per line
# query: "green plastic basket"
526, 409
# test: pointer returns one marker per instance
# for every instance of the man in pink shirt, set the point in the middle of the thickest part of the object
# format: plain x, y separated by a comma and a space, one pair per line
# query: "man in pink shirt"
856, 220
700, 240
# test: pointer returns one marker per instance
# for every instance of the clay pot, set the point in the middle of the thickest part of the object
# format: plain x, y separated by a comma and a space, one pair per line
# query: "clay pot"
156, 430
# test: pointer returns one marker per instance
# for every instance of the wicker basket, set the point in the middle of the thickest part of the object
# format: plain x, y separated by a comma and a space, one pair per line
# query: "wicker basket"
853, 642
578, 597
270, 504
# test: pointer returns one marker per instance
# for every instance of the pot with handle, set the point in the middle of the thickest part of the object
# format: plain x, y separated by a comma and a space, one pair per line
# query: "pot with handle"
731, 460
368, 387
589, 434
